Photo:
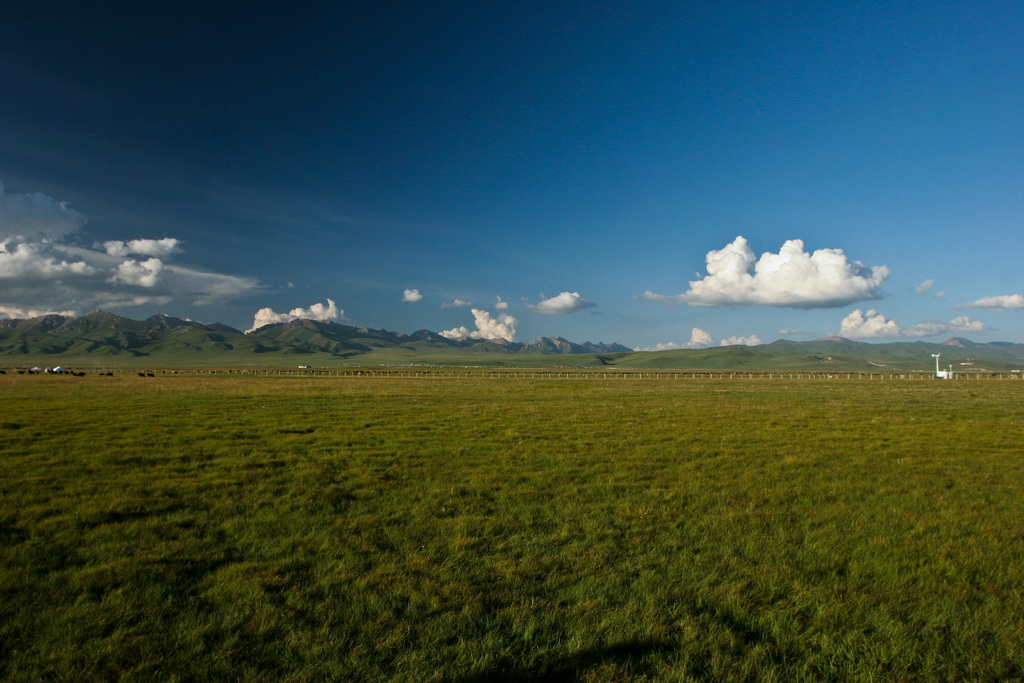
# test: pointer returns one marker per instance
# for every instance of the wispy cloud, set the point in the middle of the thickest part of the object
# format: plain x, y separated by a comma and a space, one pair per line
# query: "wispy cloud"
874, 325
1006, 301
822, 279
318, 311
566, 302
42, 268
457, 303
926, 288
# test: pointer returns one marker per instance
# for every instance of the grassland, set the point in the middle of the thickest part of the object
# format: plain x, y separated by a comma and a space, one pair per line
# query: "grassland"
225, 527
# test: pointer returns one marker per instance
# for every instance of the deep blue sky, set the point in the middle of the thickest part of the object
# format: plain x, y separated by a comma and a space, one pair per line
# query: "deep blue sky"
580, 161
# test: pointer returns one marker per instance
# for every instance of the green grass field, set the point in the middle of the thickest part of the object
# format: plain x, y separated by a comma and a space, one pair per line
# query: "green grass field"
244, 528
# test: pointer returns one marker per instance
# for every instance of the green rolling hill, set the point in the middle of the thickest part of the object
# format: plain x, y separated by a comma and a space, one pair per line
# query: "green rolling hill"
102, 339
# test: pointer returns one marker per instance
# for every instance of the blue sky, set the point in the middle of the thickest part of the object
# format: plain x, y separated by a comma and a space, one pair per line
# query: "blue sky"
667, 175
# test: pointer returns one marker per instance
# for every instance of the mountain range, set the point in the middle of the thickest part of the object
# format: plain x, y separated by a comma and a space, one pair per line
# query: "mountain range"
104, 334
101, 338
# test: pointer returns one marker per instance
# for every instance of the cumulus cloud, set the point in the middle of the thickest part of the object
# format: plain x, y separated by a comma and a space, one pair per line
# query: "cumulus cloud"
457, 303
142, 273
874, 325
501, 305
42, 268
752, 340
27, 261
736, 277
699, 339
412, 295
566, 302
1005, 301
162, 248
501, 326
870, 325
318, 311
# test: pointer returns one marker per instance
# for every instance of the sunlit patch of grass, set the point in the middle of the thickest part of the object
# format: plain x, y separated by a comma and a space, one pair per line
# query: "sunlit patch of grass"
467, 529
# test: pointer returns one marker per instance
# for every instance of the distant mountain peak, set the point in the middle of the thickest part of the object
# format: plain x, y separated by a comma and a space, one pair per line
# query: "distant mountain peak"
959, 342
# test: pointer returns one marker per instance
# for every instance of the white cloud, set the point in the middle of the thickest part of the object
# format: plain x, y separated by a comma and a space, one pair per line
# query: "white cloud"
457, 333
501, 305
699, 339
965, 324
566, 302
870, 325
318, 311
412, 295
502, 326
162, 248
24, 313
930, 329
752, 340
43, 269
874, 325
28, 261
926, 287
824, 278
457, 303
142, 273
996, 302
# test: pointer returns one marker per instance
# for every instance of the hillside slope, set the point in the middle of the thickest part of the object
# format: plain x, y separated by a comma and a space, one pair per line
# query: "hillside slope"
101, 338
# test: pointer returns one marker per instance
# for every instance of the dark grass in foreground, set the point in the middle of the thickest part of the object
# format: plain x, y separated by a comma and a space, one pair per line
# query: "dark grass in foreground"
307, 529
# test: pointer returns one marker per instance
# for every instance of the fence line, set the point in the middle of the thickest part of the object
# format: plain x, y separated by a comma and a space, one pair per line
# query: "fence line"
632, 374
566, 374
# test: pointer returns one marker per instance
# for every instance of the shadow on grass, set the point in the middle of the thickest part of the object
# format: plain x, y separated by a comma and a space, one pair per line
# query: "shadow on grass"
627, 658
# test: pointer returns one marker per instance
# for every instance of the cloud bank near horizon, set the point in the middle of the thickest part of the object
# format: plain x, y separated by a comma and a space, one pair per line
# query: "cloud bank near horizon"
699, 339
1006, 301
825, 278
873, 325
321, 312
44, 270
499, 327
